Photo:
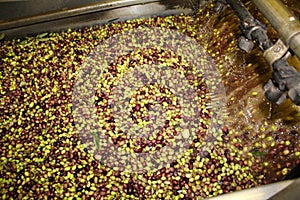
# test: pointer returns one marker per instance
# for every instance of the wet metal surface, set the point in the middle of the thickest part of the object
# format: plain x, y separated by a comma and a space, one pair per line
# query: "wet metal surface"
85, 15
16, 9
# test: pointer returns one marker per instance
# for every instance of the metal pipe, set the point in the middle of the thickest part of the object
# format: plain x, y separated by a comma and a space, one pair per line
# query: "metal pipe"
284, 21
239, 9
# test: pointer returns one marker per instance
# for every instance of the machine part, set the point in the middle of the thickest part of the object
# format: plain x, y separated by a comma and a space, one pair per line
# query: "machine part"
100, 12
255, 30
245, 44
59, 14
220, 6
261, 192
276, 52
285, 23
10, 0
294, 95
250, 27
273, 93
285, 77
291, 192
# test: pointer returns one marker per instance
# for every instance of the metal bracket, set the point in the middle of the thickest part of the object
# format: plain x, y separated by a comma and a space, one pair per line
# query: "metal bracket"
276, 52
245, 44
250, 25
254, 28
273, 93
220, 6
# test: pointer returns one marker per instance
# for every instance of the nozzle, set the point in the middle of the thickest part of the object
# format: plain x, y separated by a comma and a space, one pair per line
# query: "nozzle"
283, 20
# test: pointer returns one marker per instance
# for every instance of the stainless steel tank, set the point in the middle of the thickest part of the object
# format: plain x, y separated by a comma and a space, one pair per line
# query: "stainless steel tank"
246, 108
